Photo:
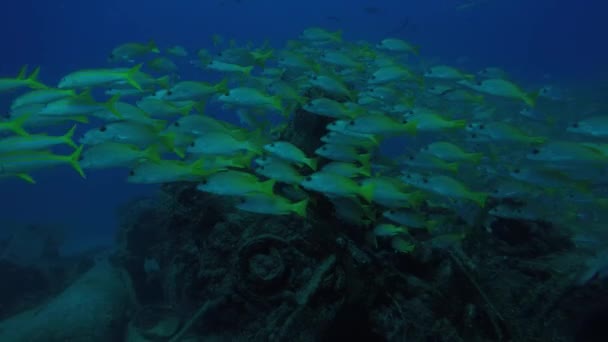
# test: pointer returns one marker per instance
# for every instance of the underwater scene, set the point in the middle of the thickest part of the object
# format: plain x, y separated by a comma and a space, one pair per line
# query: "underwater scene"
262, 170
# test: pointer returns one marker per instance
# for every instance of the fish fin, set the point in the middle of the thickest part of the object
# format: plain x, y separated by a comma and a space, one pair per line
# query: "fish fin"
26, 178
337, 36
32, 80
22, 72
130, 76
74, 158
67, 137
299, 208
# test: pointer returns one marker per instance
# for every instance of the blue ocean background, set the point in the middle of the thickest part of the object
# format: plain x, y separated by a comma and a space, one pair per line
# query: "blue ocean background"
538, 42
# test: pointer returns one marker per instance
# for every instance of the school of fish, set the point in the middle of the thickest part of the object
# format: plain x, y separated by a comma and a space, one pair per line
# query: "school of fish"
409, 148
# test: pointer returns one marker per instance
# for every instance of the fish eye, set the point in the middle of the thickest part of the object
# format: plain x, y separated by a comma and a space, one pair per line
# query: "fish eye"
314, 77
204, 181
169, 92
425, 180
474, 136
351, 122
103, 128
309, 179
324, 148
408, 176
391, 211
192, 144
470, 125
481, 126
373, 77
410, 157
575, 125
132, 173
272, 145
516, 170
176, 124
478, 83
535, 151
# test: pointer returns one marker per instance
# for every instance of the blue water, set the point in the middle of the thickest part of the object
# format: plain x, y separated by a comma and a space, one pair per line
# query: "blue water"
538, 41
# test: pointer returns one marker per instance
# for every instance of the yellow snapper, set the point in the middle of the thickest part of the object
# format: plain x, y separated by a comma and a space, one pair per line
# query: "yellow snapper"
343, 153
331, 108
596, 126
500, 131
445, 186
349, 170
128, 51
221, 143
165, 171
317, 34
251, 97
392, 193
192, 90
387, 229
291, 153
100, 77
451, 152
42, 96
381, 125
503, 88
235, 183
447, 72
36, 142
397, 45
23, 162
333, 185
177, 50
112, 154
273, 205
21, 81
281, 171
229, 67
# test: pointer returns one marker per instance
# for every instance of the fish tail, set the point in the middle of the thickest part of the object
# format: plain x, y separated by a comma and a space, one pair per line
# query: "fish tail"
163, 82
152, 154
267, 187
367, 192
168, 140
479, 198
153, 47
74, 158
247, 70
110, 106
130, 76
312, 163
459, 124
67, 138
222, 87
476, 157
452, 167
32, 80
16, 125
299, 208
530, 99
337, 36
